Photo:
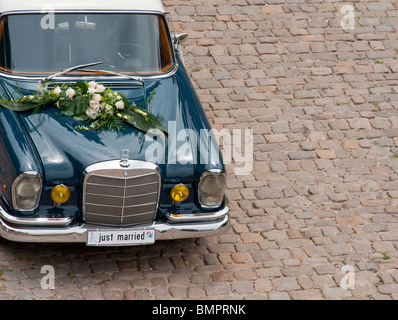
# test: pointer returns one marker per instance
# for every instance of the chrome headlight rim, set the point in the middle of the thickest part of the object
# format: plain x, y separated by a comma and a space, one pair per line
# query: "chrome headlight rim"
202, 179
17, 181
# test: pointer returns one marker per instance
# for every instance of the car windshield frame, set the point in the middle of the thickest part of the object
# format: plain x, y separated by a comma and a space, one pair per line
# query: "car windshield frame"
164, 41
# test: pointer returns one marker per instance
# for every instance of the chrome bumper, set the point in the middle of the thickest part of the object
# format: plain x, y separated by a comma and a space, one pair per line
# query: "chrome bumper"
55, 231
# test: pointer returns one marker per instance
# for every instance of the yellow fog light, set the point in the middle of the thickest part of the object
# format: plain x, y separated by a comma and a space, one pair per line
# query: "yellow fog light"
179, 193
60, 194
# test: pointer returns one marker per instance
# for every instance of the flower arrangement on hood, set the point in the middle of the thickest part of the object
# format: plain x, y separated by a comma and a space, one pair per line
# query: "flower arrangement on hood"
91, 102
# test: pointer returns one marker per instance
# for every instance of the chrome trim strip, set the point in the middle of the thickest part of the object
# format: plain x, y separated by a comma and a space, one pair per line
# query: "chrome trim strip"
104, 176
35, 222
185, 231
78, 234
115, 164
200, 216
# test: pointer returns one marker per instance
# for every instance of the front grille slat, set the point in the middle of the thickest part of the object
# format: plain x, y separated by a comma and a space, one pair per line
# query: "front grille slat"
105, 191
141, 185
121, 198
136, 201
143, 181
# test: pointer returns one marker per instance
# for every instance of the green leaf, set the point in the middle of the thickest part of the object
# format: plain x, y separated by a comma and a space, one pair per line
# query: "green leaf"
83, 86
69, 109
65, 103
156, 122
79, 106
82, 117
19, 107
142, 123
82, 128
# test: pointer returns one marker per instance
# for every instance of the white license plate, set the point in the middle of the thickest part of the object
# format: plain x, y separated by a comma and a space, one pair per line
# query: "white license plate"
121, 237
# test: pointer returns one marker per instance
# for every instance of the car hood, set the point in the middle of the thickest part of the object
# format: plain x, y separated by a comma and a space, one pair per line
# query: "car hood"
66, 152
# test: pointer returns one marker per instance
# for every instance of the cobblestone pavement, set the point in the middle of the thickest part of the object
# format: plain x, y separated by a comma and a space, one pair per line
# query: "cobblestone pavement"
323, 105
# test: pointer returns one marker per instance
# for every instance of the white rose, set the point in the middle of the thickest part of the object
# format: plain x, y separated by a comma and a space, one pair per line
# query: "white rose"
92, 113
97, 97
92, 84
119, 105
95, 105
92, 90
70, 93
100, 88
57, 91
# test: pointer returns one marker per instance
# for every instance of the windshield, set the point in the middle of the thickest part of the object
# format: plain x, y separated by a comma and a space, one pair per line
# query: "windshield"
38, 44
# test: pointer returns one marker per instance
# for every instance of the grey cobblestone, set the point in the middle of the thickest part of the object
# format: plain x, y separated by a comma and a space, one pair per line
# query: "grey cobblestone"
324, 189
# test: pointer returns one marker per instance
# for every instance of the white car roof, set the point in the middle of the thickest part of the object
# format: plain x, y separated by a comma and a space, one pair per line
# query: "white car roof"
72, 5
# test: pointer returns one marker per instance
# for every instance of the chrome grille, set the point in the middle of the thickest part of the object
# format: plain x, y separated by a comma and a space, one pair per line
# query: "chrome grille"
119, 197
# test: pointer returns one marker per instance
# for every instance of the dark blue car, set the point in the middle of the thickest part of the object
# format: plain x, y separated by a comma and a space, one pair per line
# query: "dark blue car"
102, 137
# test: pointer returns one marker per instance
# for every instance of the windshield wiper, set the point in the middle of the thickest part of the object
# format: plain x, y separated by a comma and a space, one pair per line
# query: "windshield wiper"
73, 69
139, 79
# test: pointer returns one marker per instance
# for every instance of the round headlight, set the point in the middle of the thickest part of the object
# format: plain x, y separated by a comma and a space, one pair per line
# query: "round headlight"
179, 193
60, 194
212, 189
26, 191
